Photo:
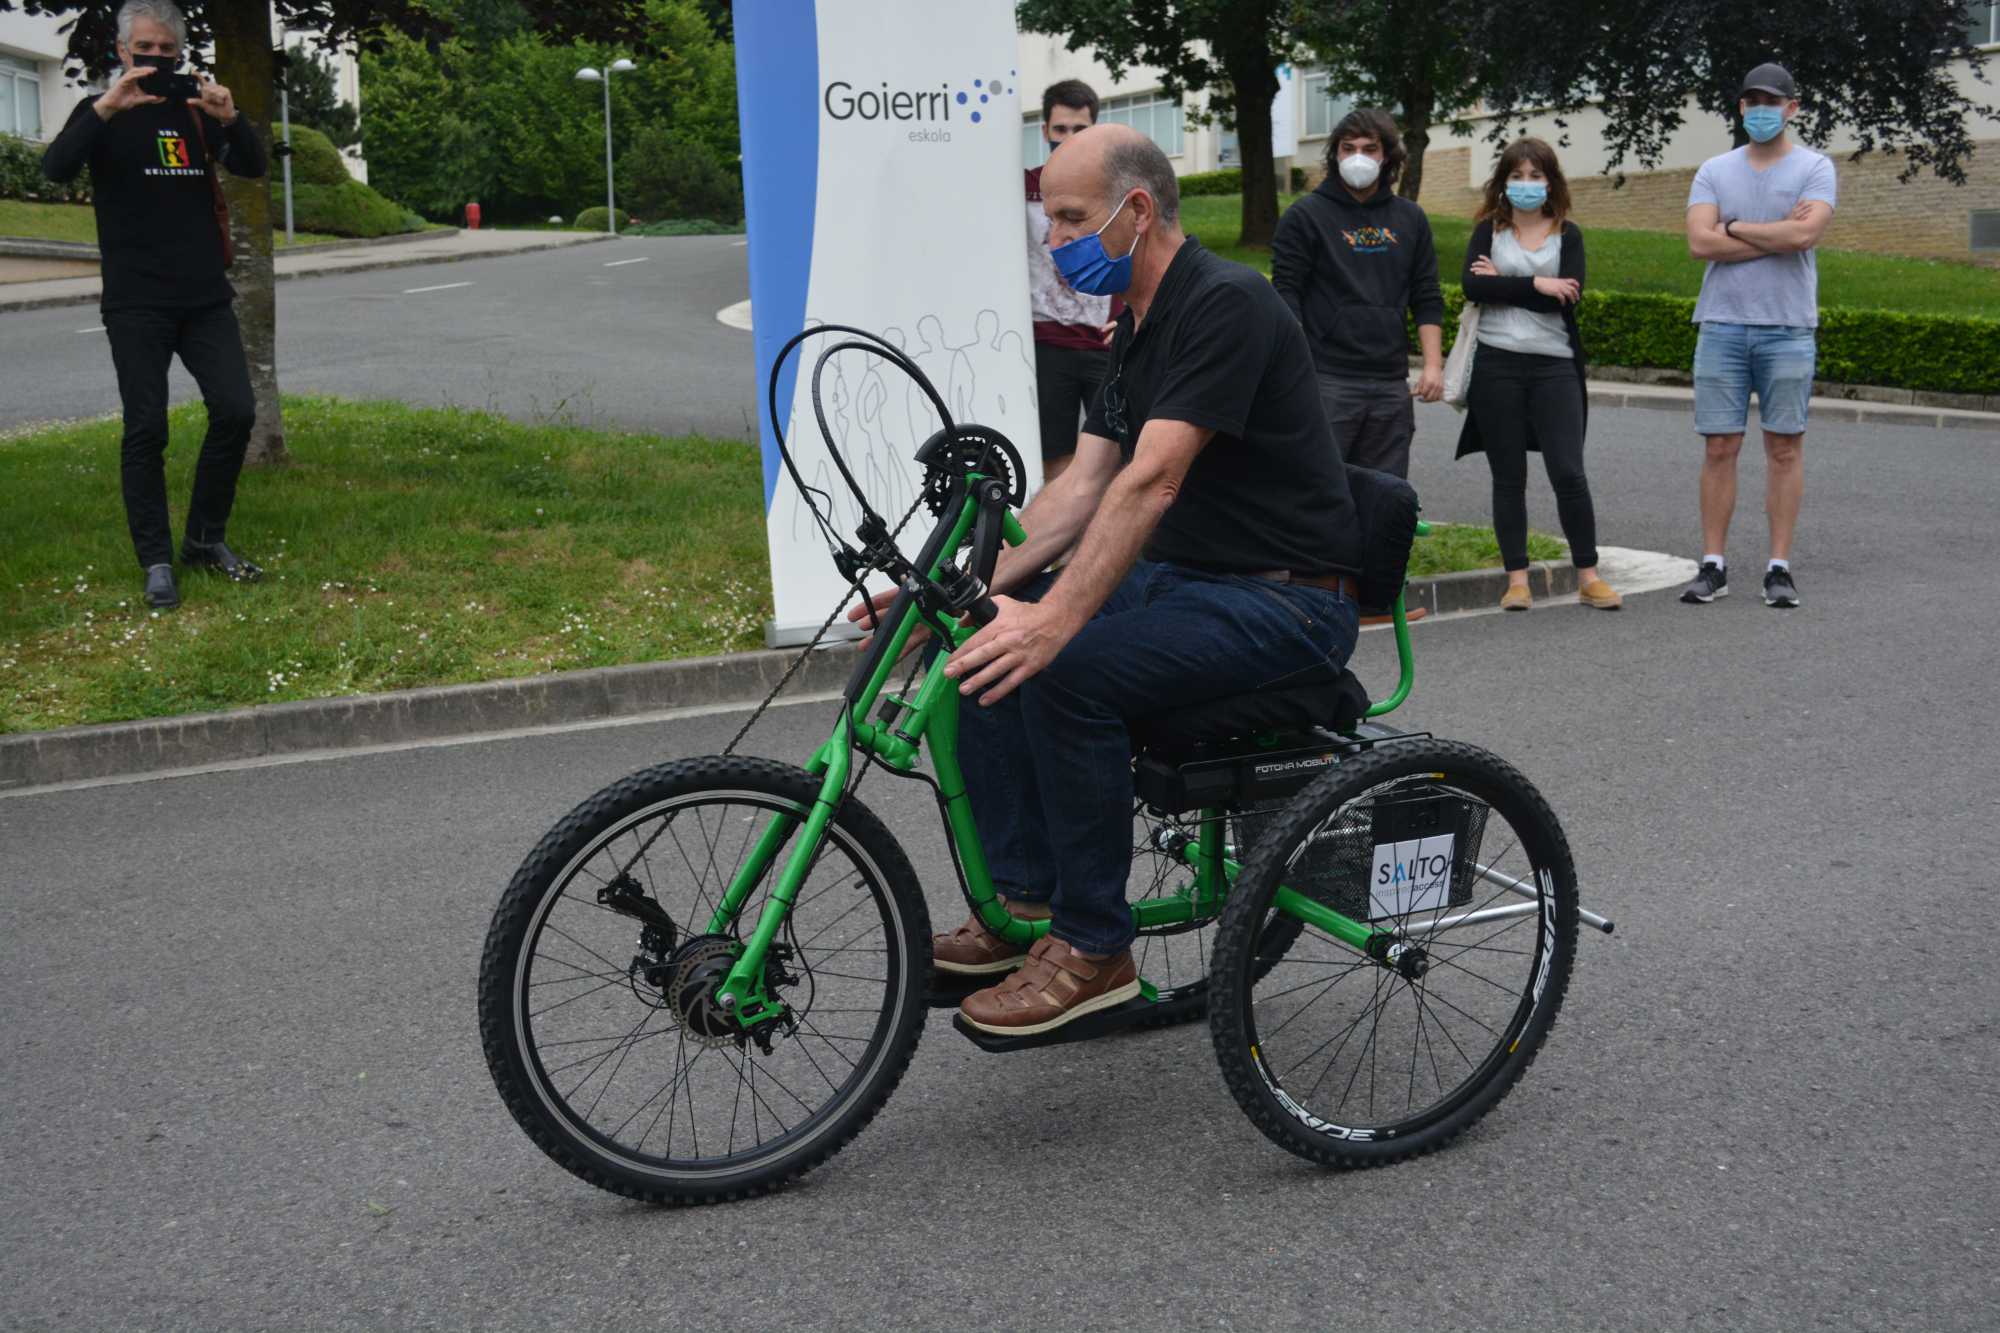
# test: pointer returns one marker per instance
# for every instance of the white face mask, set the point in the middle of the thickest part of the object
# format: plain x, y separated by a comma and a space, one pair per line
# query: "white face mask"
1359, 170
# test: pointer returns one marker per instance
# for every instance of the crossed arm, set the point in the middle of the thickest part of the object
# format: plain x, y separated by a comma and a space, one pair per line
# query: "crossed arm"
1753, 240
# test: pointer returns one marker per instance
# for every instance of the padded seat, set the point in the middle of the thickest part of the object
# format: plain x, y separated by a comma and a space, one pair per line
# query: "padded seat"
1336, 702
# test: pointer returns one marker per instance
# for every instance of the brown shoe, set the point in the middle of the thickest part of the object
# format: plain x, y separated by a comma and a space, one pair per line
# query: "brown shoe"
1601, 595
1516, 598
974, 951
1056, 986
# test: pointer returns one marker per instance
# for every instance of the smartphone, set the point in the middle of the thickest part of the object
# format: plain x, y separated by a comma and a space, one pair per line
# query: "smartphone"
174, 87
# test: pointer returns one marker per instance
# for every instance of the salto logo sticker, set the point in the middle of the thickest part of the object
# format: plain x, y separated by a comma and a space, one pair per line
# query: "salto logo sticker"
1412, 876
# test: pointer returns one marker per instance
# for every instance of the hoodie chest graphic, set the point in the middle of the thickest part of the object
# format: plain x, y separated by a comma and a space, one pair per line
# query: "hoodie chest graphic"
1370, 240
173, 155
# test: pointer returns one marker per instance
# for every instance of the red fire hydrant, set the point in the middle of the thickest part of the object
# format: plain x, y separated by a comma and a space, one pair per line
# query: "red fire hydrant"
472, 217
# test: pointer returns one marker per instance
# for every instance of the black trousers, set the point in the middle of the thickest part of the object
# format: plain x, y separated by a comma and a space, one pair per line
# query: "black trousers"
1516, 396
1065, 377
1373, 421
143, 344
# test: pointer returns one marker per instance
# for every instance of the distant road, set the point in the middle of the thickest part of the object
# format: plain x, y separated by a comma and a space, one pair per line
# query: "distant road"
620, 333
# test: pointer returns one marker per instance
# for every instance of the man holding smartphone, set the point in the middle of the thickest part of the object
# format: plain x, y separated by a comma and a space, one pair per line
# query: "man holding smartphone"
152, 140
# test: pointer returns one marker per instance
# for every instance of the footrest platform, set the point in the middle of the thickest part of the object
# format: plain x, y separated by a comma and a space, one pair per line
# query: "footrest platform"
1100, 1024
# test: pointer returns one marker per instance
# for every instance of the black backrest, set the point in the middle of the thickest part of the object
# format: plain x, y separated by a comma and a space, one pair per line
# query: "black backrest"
1387, 507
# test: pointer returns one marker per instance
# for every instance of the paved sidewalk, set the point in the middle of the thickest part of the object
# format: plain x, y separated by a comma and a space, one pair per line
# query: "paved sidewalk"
444, 247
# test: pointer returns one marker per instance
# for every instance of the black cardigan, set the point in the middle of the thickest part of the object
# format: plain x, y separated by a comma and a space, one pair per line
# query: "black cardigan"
1521, 292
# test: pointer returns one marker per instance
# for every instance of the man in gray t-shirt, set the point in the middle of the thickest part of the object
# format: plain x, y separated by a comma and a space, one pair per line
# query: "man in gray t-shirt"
1756, 214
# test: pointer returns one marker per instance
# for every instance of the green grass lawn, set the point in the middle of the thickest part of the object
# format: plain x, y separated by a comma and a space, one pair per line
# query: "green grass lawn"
1657, 261
1452, 547
78, 222
403, 547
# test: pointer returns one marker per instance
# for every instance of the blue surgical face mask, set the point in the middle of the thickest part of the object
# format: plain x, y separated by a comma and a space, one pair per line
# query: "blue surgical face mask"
1087, 269
1764, 123
1528, 196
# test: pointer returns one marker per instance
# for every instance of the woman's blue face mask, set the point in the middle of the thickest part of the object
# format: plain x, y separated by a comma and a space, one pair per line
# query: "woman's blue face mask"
1528, 196
1764, 123
1087, 269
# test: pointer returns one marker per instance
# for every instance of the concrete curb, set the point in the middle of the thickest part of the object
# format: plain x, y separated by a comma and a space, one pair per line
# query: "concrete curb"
407, 261
1660, 398
118, 749
158, 745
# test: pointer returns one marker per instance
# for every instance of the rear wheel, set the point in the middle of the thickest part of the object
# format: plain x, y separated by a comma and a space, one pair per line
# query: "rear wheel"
1353, 1057
596, 986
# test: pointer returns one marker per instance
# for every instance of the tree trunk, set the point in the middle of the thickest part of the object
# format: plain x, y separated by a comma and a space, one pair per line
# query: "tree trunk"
1253, 78
1419, 104
246, 65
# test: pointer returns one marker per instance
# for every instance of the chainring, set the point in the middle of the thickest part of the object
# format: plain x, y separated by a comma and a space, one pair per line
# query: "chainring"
971, 449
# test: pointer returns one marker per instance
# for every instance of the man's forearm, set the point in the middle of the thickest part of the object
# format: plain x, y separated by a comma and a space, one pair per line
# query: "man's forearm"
70, 151
1132, 507
1772, 238
1719, 247
1053, 520
1430, 337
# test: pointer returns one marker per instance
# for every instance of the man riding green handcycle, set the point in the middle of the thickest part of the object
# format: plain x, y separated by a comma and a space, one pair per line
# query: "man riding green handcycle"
709, 976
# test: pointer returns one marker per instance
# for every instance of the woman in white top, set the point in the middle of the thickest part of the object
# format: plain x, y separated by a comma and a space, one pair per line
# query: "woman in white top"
1524, 269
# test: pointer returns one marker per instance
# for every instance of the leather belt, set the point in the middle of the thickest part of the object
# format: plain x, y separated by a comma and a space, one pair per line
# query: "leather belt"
1345, 584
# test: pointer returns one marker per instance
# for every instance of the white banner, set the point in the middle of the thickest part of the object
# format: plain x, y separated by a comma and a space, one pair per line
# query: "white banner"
882, 182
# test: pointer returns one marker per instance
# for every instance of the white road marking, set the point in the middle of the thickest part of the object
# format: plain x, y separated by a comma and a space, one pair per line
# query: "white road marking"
616, 262
98, 329
739, 244
441, 287
736, 316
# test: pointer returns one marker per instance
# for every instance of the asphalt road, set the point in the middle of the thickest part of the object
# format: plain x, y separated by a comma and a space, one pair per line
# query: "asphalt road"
244, 1087
621, 333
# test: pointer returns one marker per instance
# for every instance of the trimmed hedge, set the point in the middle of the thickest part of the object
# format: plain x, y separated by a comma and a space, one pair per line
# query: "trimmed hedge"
1936, 353
21, 175
596, 219
1228, 181
315, 161
351, 209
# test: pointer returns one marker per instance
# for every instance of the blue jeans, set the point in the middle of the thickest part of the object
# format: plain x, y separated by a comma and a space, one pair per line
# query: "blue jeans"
1049, 768
1731, 359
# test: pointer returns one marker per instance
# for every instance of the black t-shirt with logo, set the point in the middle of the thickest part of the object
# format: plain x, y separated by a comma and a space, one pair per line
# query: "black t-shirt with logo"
1220, 350
156, 224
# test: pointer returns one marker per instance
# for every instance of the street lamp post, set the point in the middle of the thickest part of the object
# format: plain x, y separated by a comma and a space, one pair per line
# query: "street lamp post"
590, 75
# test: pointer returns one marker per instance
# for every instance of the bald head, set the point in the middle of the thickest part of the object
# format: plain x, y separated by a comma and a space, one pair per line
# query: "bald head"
1105, 163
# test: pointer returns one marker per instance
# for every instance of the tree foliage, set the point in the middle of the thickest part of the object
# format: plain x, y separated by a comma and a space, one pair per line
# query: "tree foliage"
504, 122
1875, 68
1229, 50
1425, 60
314, 97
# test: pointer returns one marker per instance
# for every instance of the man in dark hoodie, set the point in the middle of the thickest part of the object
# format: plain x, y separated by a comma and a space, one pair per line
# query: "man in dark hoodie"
1349, 259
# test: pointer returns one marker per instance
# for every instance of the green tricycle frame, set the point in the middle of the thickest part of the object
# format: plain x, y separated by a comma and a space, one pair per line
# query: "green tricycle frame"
1346, 892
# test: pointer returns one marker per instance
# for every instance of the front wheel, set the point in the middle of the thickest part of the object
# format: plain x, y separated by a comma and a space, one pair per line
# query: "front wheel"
1362, 1054
596, 985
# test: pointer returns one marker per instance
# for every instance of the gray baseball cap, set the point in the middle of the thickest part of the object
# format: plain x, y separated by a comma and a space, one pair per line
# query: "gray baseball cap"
1770, 78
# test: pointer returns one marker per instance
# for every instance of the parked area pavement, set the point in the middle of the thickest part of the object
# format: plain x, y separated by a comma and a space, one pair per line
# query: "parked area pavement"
246, 1089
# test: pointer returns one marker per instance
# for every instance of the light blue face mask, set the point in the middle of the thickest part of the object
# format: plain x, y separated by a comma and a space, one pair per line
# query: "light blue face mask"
1764, 123
1528, 196
1087, 269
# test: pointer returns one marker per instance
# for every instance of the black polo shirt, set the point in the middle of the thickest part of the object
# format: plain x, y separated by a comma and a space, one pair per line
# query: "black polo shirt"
1220, 350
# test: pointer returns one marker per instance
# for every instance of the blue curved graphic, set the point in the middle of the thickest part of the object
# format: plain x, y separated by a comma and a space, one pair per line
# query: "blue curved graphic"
777, 95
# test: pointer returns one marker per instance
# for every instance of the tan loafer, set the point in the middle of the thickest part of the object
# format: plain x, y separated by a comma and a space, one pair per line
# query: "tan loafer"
1601, 595
1056, 986
1516, 598
974, 951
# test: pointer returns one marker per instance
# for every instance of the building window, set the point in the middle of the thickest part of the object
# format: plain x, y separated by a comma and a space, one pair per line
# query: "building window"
1149, 113
1322, 112
20, 97
1034, 149
1984, 27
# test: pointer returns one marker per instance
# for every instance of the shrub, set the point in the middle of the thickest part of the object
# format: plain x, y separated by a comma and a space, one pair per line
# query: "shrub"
665, 177
315, 161
1229, 181
21, 175
596, 219
1298, 180
688, 227
350, 209
1937, 353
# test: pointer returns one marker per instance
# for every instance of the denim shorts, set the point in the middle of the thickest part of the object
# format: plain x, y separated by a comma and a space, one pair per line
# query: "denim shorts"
1730, 360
